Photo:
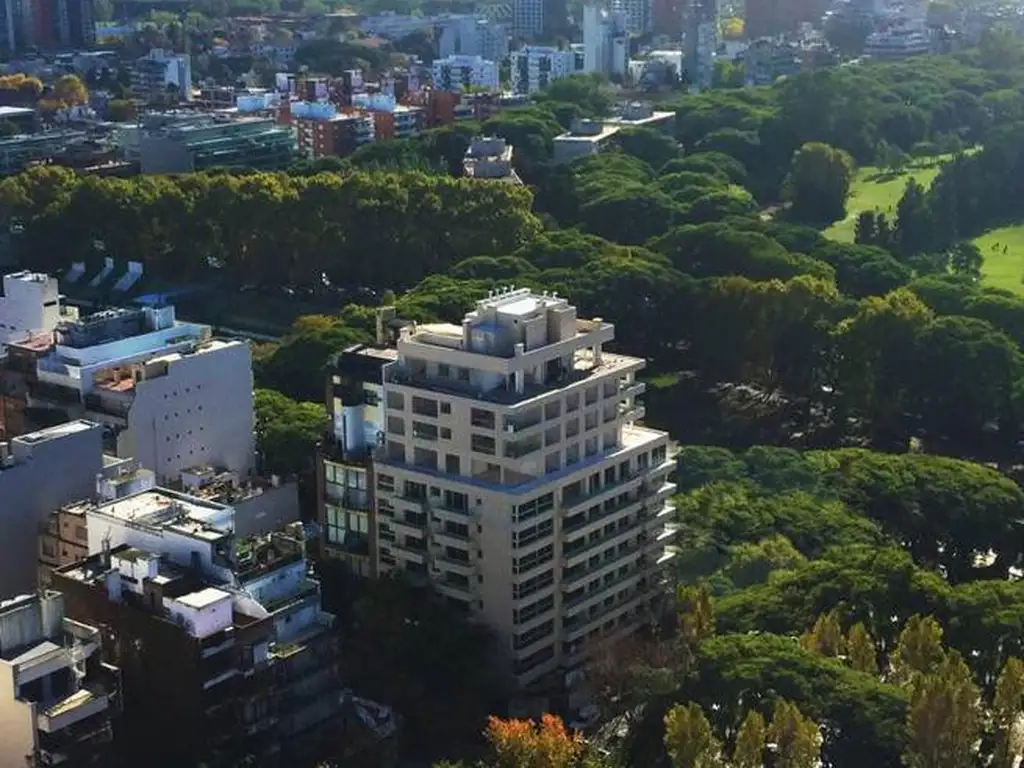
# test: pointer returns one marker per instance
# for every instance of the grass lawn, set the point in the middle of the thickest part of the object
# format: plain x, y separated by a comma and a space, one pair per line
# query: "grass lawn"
1003, 270
875, 188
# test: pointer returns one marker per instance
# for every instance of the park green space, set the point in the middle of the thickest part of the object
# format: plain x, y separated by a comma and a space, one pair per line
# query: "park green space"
1003, 249
880, 189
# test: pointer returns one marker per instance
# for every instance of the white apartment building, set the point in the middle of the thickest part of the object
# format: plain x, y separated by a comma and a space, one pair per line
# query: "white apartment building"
534, 67
459, 73
167, 393
512, 474
605, 44
29, 304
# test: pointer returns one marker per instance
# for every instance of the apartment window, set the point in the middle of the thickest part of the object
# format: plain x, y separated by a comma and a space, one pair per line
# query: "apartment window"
371, 398
385, 483
572, 454
537, 558
446, 408
552, 410
526, 639
446, 434
533, 610
414, 490
452, 464
461, 530
483, 444
456, 554
415, 543
572, 403
424, 431
396, 426
463, 374
444, 371
456, 500
348, 529
421, 406
478, 417
535, 507
535, 660
533, 584
532, 534
395, 401
415, 517
456, 580
590, 395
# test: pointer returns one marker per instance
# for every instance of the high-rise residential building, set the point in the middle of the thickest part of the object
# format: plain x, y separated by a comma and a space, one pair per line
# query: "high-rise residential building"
221, 640
165, 391
460, 73
74, 22
700, 43
39, 472
768, 18
638, 14
605, 43
528, 19
391, 120
473, 36
508, 469
58, 699
667, 18
534, 67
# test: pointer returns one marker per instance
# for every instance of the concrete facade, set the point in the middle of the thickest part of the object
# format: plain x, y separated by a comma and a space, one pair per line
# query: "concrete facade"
513, 476
40, 472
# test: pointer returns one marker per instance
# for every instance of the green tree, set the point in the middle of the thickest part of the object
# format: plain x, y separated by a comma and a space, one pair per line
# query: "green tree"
696, 615
796, 738
750, 742
919, 651
1007, 709
287, 432
819, 182
860, 650
826, 636
943, 721
689, 740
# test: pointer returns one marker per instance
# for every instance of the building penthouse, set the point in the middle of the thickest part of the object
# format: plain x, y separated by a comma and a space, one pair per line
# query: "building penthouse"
512, 474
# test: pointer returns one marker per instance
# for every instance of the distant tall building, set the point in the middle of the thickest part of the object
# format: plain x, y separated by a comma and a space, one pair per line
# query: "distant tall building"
700, 42
767, 18
535, 67
667, 18
74, 23
637, 13
528, 19
605, 43
472, 36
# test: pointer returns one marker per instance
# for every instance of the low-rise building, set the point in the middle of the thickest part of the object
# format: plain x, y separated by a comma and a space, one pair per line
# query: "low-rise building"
391, 120
39, 472
586, 137
58, 699
640, 114
29, 304
165, 391
323, 131
490, 157
182, 143
20, 151
221, 640
461, 73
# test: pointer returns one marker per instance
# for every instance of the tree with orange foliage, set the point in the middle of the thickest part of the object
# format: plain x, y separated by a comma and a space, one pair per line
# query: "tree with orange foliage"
526, 744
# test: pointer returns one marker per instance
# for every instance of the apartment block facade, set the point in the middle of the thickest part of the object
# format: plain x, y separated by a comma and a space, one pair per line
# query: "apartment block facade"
221, 640
511, 474
58, 700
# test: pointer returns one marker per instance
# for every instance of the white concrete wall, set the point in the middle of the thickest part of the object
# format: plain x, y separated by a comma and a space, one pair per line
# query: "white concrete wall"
200, 412
17, 723
29, 304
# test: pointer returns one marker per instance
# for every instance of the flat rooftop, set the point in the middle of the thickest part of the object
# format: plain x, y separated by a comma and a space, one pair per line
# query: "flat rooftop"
204, 598
606, 132
56, 433
161, 508
6, 112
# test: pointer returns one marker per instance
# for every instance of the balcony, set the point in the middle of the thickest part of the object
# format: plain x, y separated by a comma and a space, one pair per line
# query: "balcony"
581, 628
72, 709
631, 389
576, 580
621, 535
